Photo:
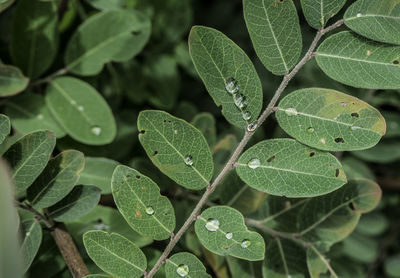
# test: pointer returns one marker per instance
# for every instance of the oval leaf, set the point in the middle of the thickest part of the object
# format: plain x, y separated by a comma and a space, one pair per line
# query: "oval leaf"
98, 172
221, 230
359, 62
115, 254
185, 264
32, 238
318, 12
28, 112
81, 110
375, 19
222, 64
80, 201
177, 148
34, 36
284, 167
275, 32
57, 179
29, 156
205, 122
5, 4
107, 36
330, 120
12, 81
139, 200
5, 127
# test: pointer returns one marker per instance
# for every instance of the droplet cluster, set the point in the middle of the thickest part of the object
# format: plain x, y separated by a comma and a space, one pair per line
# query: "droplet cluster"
232, 87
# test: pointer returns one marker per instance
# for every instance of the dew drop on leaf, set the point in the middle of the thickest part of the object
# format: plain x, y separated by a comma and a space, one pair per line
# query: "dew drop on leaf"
310, 129
40, 117
182, 270
96, 130
188, 160
291, 112
246, 115
231, 85
355, 127
254, 163
80, 108
212, 224
149, 210
252, 127
359, 15
229, 235
245, 243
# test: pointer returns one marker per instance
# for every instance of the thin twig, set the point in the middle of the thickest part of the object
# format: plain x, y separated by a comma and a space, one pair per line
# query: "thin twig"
47, 221
49, 78
231, 162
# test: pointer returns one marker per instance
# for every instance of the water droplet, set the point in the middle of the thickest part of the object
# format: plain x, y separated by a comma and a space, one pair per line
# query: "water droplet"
355, 127
246, 115
229, 235
40, 117
251, 127
291, 112
80, 108
212, 224
245, 243
240, 101
254, 163
73, 102
359, 14
310, 129
182, 270
231, 85
149, 210
96, 130
188, 160
175, 131
322, 140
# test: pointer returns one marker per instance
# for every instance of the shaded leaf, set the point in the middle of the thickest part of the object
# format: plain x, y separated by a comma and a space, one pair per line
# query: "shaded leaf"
177, 148
116, 35
222, 64
29, 113
221, 230
29, 156
375, 19
318, 12
393, 124
244, 269
139, 201
12, 81
115, 254
316, 264
57, 179
359, 62
373, 224
205, 122
106, 4
81, 111
330, 120
5, 4
285, 167
361, 248
80, 201
5, 127
31, 232
275, 32
355, 168
385, 152
392, 266
34, 36
185, 263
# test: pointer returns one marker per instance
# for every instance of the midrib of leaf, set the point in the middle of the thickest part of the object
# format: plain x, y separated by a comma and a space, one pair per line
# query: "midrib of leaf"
327, 264
172, 146
356, 60
112, 253
373, 15
220, 230
32, 45
278, 242
144, 205
237, 195
26, 112
211, 57
174, 264
12, 77
69, 205
272, 217
27, 234
274, 36
322, 13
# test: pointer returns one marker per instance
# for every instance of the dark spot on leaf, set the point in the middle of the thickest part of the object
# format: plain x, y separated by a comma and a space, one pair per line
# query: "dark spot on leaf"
351, 206
355, 115
312, 154
155, 153
138, 177
165, 121
142, 131
99, 220
396, 62
271, 158
337, 172
137, 32
339, 140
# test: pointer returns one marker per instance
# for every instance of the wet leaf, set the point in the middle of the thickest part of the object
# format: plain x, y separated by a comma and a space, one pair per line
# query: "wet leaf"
185, 265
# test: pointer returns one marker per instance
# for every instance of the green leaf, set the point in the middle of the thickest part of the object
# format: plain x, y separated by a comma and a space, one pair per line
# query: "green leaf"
222, 64
185, 265
4, 127
115, 254
392, 266
34, 36
29, 156
243, 269
275, 32
221, 230
359, 62
354, 168
330, 120
177, 148
5, 4
373, 224
106, 4
57, 179
81, 111
28, 113
32, 238
385, 152
139, 200
205, 122
98, 276
98, 171
361, 248
316, 263
318, 12
12, 81
375, 19
80, 201
285, 167
108, 36
392, 121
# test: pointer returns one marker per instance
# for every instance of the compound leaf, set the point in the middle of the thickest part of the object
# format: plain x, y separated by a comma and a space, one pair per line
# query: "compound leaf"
221, 230
275, 32
29, 156
139, 200
318, 12
12, 81
81, 111
115, 254
177, 148
116, 35
57, 179
5, 127
185, 264
32, 238
80, 201
330, 120
228, 75
284, 167
375, 19
356, 61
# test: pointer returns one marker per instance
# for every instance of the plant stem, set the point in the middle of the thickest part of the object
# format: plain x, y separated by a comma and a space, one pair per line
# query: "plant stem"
50, 77
47, 221
231, 162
